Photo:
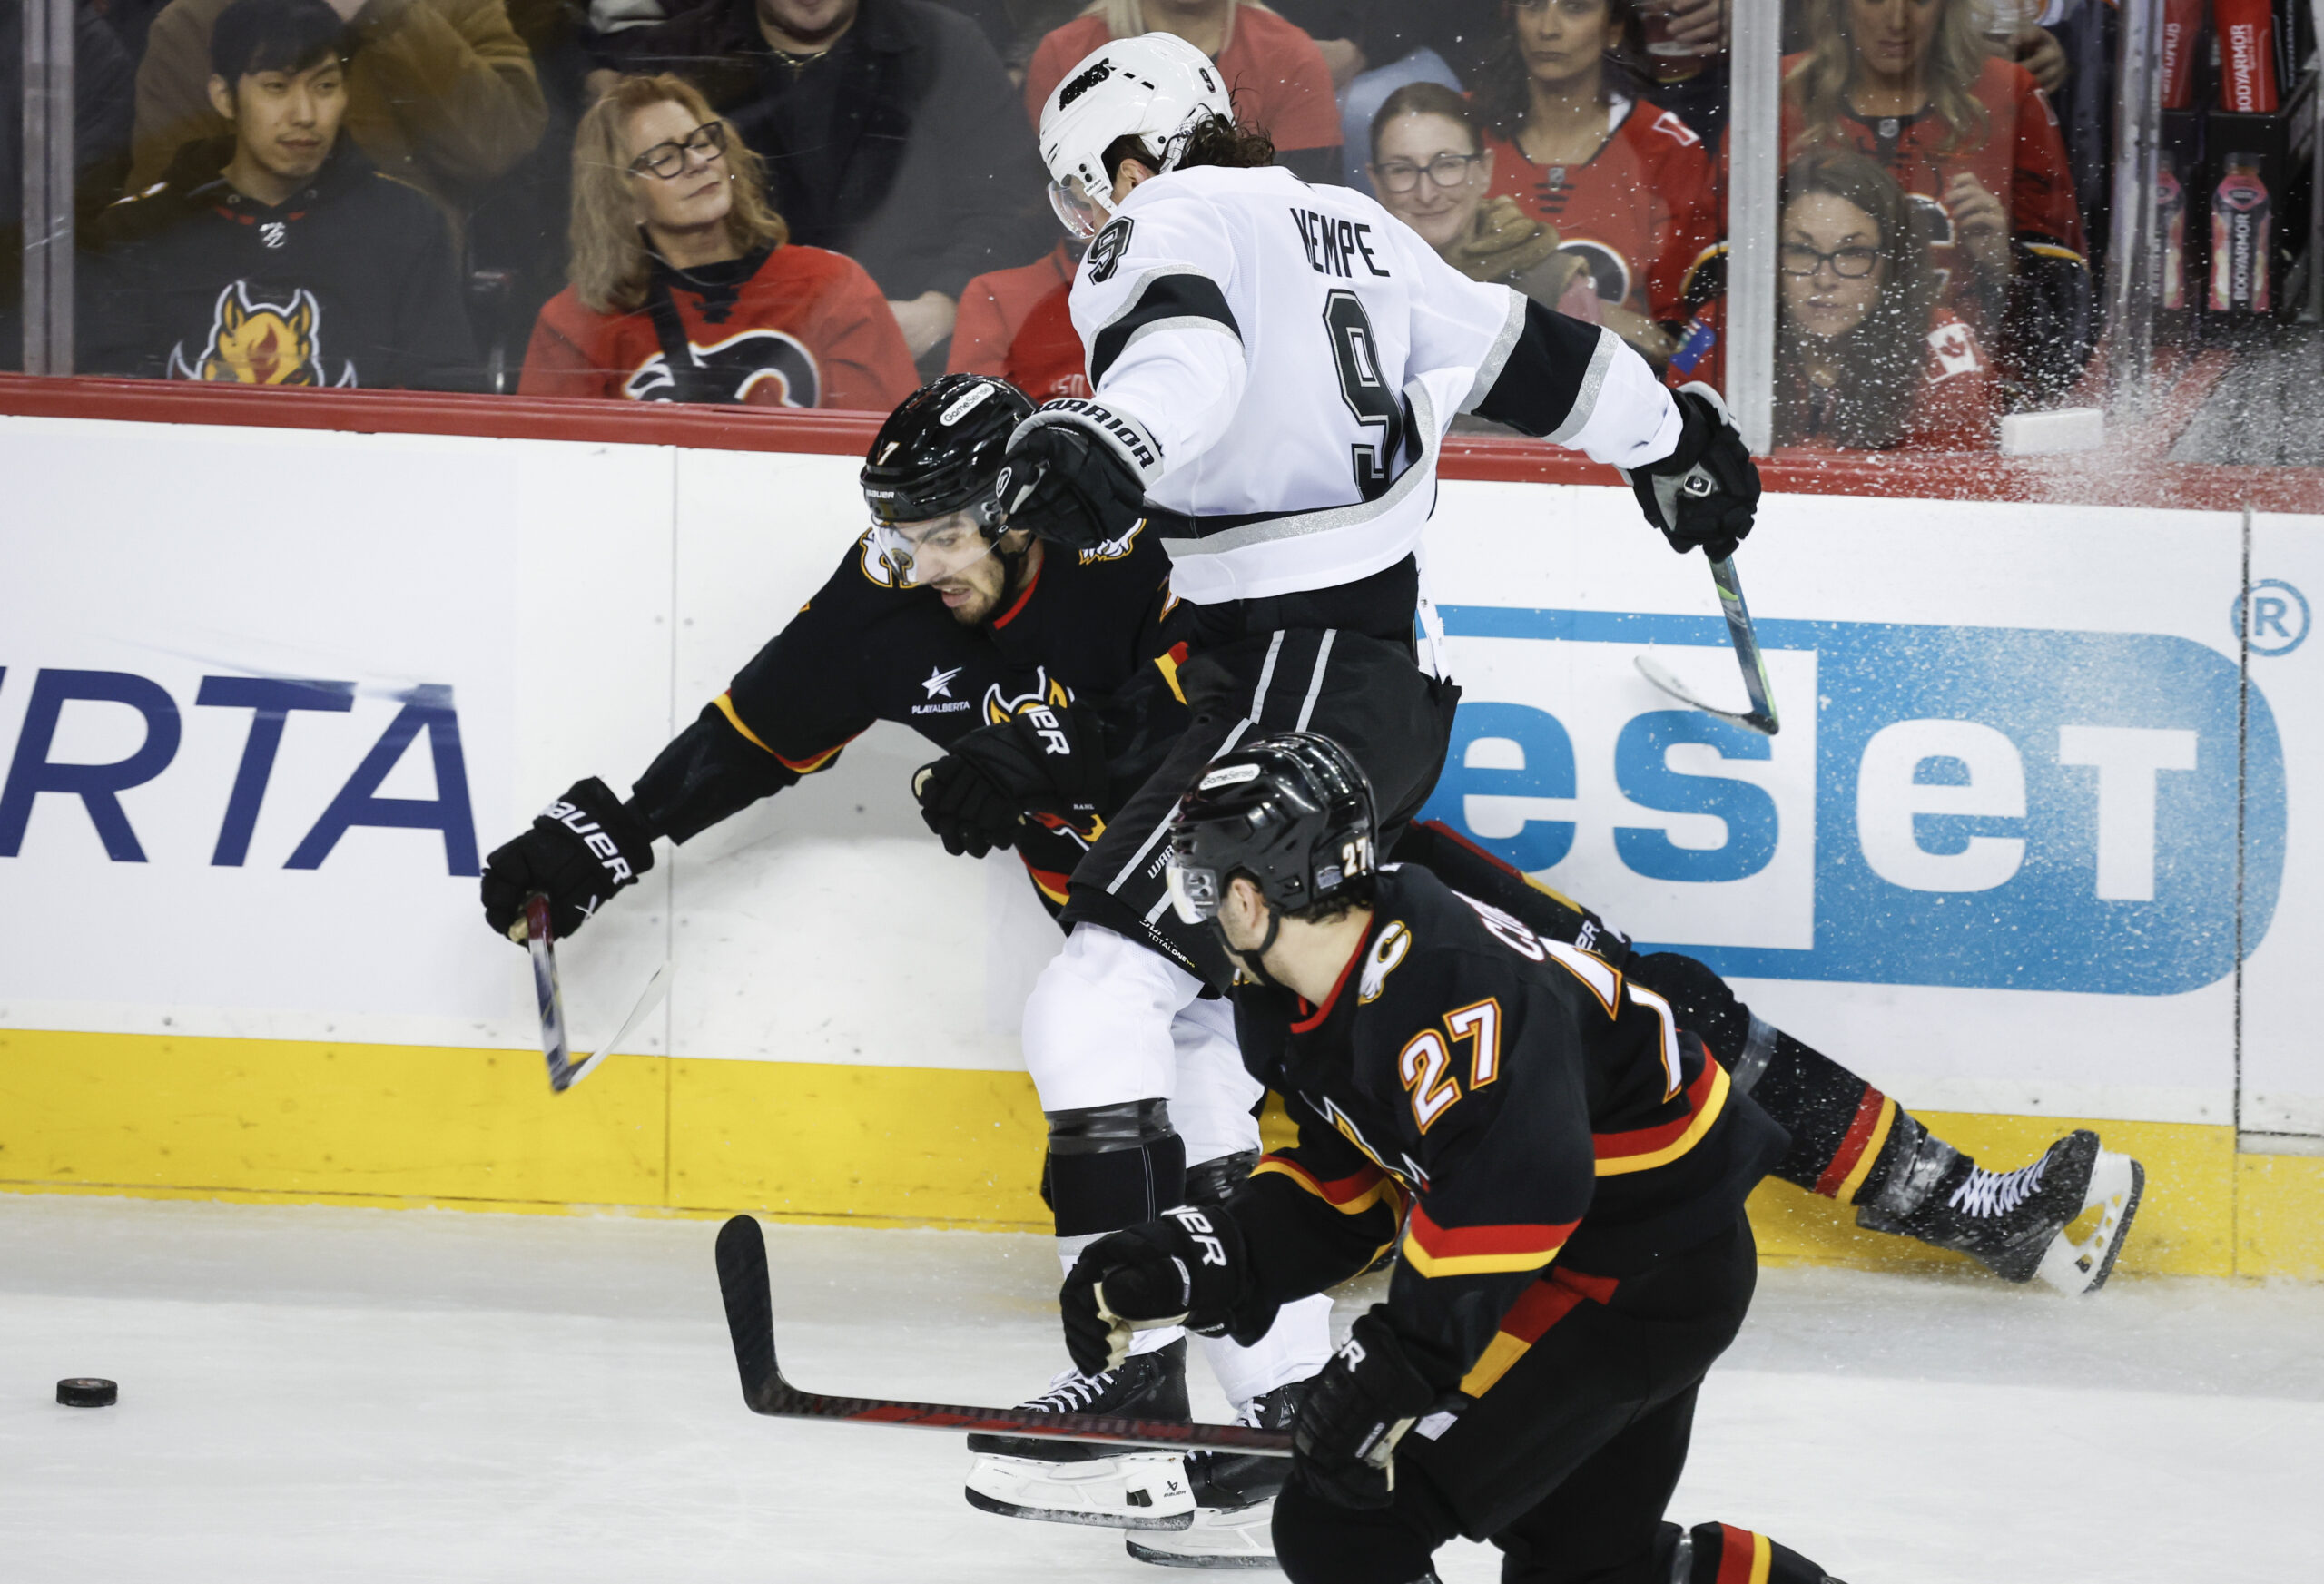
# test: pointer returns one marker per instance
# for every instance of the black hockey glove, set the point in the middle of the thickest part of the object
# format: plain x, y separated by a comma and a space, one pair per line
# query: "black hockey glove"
1188, 1267
1343, 1441
584, 847
1077, 474
1703, 494
1048, 760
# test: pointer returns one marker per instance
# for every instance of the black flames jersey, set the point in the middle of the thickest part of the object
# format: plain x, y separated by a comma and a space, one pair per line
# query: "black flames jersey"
1532, 1117
1098, 629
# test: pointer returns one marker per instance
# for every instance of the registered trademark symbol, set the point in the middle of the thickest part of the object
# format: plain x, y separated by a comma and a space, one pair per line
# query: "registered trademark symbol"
2279, 617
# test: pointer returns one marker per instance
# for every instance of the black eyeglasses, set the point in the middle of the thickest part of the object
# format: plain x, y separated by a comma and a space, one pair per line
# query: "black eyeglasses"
664, 161
1444, 171
1847, 263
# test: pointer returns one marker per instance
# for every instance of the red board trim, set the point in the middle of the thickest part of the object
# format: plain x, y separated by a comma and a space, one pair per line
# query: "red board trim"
2129, 471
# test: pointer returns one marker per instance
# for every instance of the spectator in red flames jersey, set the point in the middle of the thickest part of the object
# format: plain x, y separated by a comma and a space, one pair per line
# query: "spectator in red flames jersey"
685, 286
1275, 72
1014, 325
1625, 183
1972, 139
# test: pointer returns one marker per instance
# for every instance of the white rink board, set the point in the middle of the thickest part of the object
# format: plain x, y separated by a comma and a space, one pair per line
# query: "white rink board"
1975, 863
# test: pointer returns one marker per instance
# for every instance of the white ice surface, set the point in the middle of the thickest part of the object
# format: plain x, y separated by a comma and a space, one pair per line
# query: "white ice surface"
322, 1394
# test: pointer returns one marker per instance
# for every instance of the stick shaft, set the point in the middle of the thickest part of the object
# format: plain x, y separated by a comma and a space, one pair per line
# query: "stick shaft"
539, 943
1729, 585
750, 1324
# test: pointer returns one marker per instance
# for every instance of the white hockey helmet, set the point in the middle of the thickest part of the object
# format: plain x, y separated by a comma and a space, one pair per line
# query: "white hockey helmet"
1155, 86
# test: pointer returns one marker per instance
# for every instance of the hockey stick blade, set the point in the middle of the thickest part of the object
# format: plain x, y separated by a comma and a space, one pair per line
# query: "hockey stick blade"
1761, 716
648, 998
750, 1322
543, 948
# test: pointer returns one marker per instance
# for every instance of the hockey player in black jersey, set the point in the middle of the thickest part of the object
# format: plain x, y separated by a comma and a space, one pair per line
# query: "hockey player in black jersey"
1566, 1167
1048, 673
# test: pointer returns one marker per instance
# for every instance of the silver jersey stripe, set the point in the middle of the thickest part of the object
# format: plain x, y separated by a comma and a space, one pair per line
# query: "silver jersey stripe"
1299, 524
1190, 321
1496, 356
1593, 380
1315, 683
1259, 701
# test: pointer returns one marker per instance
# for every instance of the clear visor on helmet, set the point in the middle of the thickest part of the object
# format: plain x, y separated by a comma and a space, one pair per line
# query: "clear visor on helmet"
1084, 214
1193, 892
939, 547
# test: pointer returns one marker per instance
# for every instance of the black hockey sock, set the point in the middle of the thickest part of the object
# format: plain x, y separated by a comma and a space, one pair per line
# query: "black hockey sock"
1720, 1553
1112, 1167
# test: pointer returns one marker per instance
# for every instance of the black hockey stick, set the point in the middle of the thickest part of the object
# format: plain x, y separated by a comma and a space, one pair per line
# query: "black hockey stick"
1761, 716
750, 1319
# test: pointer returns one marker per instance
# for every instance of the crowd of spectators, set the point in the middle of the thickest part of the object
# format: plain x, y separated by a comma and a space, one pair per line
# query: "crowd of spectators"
821, 203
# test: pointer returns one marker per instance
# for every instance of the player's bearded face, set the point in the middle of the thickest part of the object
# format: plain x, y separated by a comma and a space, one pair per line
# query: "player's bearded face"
951, 555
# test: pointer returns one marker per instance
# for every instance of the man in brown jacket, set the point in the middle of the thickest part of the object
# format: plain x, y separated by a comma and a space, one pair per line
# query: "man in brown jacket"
440, 93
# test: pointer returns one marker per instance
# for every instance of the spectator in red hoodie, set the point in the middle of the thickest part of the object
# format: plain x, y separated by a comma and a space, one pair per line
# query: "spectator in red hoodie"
1014, 325
685, 286
1275, 72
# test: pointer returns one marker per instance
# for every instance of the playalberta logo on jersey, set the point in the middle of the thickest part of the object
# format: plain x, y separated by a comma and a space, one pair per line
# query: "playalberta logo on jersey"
1976, 807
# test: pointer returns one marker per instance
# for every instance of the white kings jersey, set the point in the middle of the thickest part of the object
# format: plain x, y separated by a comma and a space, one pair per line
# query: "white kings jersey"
1293, 356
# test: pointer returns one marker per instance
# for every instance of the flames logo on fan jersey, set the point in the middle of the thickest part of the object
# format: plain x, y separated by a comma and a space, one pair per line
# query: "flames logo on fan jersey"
755, 369
260, 343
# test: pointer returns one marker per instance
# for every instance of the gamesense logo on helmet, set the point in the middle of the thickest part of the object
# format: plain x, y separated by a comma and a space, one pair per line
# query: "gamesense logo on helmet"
1084, 83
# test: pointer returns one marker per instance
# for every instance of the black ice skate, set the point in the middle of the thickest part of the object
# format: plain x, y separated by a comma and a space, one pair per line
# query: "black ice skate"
1082, 1481
2015, 1222
1233, 1496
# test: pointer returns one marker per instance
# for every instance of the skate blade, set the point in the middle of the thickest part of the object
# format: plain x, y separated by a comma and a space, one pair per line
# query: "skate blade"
1136, 1491
2116, 1185
1240, 1537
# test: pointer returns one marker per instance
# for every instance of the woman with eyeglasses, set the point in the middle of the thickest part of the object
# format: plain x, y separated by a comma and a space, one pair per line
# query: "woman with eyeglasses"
1869, 357
1626, 183
1912, 85
684, 285
1431, 171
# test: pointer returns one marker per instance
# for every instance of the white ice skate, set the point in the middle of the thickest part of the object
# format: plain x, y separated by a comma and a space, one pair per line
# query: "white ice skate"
1064, 1481
2116, 1183
1239, 1537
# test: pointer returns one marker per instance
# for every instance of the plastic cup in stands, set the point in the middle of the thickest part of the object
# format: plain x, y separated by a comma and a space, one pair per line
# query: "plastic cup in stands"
1660, 17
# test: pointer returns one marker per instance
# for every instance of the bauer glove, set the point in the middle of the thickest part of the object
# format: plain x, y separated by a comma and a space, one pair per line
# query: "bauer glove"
1343, 1441
580, 850
1049, 759
1703, 495
1189, 1267
1077, 474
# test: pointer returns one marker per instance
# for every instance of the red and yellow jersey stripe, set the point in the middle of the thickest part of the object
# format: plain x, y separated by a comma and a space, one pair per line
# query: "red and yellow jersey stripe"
1477, 1251
1537, 1308
1349, 1195
807, 766
1644, 1148
1875, 1115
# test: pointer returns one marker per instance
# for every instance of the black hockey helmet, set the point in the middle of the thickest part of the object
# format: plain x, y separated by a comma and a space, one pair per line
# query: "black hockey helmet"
938, 452
1292, 811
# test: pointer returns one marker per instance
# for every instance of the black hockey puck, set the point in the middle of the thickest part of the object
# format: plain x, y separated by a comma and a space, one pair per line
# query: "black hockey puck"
88, 1391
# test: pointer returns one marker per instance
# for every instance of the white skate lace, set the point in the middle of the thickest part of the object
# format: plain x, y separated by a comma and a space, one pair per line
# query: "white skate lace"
1989, 1193
1070, 1392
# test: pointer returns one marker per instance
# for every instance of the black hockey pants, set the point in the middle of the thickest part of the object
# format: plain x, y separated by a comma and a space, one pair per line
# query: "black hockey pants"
1566, 1461
1364, 692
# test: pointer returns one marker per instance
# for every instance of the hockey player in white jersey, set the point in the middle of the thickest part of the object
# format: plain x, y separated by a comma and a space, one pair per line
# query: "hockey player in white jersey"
1273, 369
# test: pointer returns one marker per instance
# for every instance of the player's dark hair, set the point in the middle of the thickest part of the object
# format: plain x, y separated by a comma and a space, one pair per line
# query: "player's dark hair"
1503, 95
1426, 99
1883, 358
252, 36
1215, 140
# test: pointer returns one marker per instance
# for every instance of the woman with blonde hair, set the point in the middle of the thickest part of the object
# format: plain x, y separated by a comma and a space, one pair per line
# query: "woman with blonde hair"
1912, 85
1276, 74
685, 284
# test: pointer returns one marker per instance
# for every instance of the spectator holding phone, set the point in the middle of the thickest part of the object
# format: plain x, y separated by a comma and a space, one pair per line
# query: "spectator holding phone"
1274, 73
1970, 137
1626, 183
279, 254
685, 287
